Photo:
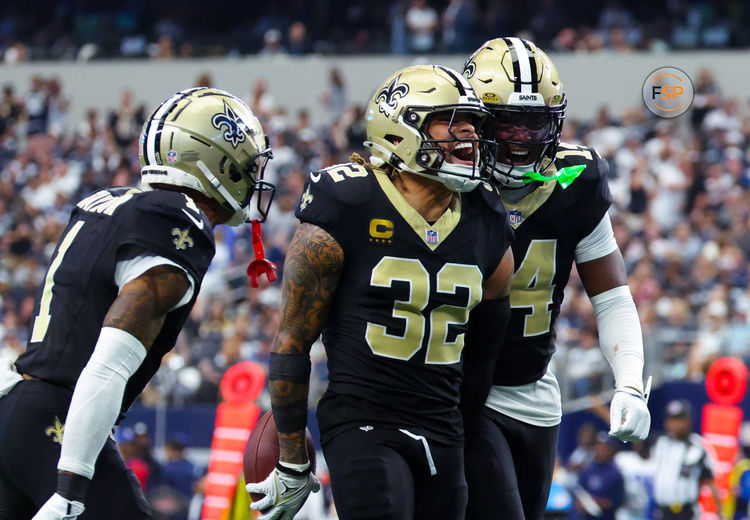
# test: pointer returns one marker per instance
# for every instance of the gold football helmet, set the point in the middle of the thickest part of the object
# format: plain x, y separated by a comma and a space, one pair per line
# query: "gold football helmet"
400, 112
519, 84
209, 141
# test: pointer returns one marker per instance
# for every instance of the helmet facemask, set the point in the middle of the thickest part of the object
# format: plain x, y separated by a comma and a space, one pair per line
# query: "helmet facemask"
520, 85
433, 155
527, 140
251, 172
400, 130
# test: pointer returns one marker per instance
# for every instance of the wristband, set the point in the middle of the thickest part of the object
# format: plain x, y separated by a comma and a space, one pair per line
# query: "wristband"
72, 486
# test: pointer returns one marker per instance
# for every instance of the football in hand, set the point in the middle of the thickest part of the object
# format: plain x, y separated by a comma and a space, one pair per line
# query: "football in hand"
262, 451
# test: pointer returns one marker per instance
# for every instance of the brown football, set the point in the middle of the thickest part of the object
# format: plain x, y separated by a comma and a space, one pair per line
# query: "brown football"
262, 451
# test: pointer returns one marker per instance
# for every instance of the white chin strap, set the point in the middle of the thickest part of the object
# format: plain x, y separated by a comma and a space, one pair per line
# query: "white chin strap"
455, 177
507, 180
173, 176
458, 177
241, 215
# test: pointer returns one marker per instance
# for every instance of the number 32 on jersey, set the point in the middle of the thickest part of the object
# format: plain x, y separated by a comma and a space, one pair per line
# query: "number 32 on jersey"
440, 351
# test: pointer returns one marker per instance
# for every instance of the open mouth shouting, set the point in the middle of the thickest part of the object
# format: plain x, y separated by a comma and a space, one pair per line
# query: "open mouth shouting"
462, 153
519, 155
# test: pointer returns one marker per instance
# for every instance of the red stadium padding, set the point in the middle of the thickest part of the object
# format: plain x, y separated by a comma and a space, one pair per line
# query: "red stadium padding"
243, 383
726, 381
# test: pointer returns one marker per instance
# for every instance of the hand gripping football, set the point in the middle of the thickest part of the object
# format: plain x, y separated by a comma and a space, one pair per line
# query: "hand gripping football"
262, 451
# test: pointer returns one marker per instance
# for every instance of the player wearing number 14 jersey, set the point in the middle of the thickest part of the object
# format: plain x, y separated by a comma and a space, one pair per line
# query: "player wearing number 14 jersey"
391, 261
557, 200
122, 281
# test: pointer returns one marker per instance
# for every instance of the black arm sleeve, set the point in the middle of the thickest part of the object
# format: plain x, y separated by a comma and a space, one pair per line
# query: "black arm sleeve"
484, 337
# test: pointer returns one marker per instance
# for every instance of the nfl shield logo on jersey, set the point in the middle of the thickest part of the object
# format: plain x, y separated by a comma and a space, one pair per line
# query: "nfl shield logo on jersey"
514, 216
171, 157
432, 237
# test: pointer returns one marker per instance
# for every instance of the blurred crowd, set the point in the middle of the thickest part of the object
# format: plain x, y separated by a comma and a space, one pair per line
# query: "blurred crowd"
83, 30
680, 214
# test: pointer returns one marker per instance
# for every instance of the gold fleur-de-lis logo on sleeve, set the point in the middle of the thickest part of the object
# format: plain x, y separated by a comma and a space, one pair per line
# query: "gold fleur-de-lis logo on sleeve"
182, 239
56, 431
306, 199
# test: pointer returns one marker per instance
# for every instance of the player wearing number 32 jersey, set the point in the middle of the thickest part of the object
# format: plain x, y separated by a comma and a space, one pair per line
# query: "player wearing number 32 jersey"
557, 199
122, 281
403, 264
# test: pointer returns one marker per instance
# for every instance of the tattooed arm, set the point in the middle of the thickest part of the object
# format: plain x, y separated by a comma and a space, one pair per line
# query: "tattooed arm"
311, 273
129, 329
143, 303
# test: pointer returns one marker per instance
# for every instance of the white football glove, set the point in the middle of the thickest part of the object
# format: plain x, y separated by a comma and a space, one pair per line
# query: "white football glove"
59, 508
629, 418
286, 490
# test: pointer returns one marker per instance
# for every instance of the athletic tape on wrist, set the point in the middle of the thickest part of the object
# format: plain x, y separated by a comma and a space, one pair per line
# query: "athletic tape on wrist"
289, 367
284, 468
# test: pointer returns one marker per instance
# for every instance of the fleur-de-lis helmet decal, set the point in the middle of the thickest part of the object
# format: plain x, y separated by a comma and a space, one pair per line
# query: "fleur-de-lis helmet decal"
235, 128
399, 115
210, 141
389, 95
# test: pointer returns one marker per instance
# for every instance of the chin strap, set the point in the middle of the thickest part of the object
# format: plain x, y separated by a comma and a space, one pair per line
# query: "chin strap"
564, 176
261, 265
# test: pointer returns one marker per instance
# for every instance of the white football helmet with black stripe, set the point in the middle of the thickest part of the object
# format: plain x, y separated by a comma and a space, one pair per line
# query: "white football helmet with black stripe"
520, 85
400, 112
210, 141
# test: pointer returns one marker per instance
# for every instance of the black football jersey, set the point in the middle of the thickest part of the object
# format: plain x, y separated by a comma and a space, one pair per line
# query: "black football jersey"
79, 287
548, 223
396, 325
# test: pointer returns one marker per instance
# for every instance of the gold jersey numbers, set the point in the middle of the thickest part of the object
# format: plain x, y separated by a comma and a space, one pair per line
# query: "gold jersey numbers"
439, 349
341, 172
532, 286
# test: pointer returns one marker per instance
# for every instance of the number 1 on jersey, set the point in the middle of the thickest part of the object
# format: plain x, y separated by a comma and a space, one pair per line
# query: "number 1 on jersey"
41, 322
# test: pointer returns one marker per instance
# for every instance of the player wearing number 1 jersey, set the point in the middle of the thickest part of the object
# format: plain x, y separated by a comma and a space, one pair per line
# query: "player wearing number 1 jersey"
391, 261
122, 281
557, 199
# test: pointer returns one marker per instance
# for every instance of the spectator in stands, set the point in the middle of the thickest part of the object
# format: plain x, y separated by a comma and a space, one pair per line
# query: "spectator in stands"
170, 499
422, 23
37, 107
711, 339
585, 365
272, 43
615, 15
11, 108
178, 472
638, 470
583, 454
459, 27
334, 96
125, 438
299, 43
125, 122
707, 97
142, 446
602, 480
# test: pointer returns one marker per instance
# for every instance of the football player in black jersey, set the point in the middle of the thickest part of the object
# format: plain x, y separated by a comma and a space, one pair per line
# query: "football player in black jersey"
399, 261
122, 281
557, 199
